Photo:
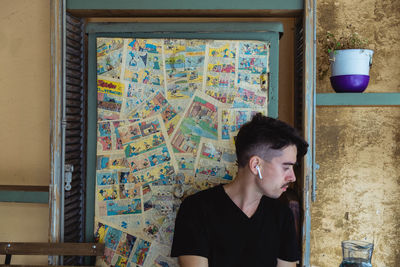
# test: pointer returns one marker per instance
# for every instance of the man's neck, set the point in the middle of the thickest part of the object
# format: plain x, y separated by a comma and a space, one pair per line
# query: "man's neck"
243, 192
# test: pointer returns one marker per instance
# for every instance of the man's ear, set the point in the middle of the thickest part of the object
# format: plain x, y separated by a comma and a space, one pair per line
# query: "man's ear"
254, 161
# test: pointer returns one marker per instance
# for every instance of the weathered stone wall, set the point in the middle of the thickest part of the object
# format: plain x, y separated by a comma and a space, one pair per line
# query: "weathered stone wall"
358, 148
376, 20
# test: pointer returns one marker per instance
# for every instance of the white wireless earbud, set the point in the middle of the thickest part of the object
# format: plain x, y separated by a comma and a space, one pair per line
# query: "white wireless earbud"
259, 172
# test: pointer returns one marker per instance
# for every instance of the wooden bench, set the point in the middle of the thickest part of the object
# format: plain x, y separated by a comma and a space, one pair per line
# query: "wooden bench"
53, 249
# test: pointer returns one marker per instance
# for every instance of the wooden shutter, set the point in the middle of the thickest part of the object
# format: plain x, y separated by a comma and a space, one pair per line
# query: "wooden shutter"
298, 77
74, 136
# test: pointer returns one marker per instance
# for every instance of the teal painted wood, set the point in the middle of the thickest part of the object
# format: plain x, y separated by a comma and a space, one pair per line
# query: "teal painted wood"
185, 4
263, 31
24, 196
91, 140
358, 99
223, 28
247, 31
309, 123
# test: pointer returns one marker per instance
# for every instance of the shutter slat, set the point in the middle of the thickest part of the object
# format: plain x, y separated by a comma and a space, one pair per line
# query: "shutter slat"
74, 73
74, 89
73, 59
73, 81
73, 140
73, 125
74, 102
74, 96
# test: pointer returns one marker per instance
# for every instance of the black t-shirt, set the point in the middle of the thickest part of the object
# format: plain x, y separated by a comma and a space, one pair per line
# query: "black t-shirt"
209, 224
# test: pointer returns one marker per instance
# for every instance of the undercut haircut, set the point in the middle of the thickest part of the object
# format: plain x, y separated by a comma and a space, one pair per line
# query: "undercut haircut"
266, 137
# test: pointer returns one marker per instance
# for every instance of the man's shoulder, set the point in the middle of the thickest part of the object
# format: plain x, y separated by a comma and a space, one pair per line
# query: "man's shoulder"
278, 207
204, 196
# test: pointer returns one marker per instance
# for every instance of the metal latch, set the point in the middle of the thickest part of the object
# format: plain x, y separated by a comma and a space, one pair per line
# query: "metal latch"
69, 168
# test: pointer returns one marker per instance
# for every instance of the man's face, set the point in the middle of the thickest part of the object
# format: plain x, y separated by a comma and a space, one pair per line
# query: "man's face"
278, 173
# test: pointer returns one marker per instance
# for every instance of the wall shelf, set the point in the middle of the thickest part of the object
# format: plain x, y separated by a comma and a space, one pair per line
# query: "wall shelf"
358, 99
24, 194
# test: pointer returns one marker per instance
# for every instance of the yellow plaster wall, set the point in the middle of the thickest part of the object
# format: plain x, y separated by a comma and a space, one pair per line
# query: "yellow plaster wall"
25, 92
376, 20
22, 222
25, 107
358, 148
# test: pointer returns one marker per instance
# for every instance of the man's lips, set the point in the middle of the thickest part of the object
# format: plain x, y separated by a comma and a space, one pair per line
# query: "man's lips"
285, 186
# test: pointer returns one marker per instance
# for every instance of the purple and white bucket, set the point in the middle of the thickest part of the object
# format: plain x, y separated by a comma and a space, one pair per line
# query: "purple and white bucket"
350, 70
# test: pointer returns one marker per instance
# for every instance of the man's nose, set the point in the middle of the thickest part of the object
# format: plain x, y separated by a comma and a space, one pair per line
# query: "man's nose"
291, 176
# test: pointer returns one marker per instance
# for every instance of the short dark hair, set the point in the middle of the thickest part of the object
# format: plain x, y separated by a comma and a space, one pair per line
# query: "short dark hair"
262, 135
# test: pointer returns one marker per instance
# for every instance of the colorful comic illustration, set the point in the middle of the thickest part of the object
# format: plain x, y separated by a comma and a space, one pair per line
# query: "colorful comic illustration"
112, 237
106, 178
216, 161
128, 191
107, 45
108, 255
200, 120
104, 114
246, 98
163, 199
166, 232
149, 159
159, 256
144, 145
141, 252
143, 63
222, 49
167, 112
136, 93
110, 87
186, 162
160, 174
127, 177
118, 245
109, 95
113, 161
255, 81
117, 140
100, 233
124, 207
157, 104
128, 133
254, 48
256, 65
233, 119
160, 205
107, 193
110, 64
184, 64
125, 245
121, 262
221, 71
104, 139
131, 223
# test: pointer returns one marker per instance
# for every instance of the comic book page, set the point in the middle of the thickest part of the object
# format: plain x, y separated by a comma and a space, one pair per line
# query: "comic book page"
215, 161
231, 119
253, 73
199, 120
184, 65
167, 114
221, 70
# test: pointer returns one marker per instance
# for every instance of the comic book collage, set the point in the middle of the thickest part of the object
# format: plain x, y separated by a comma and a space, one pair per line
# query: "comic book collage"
168, 110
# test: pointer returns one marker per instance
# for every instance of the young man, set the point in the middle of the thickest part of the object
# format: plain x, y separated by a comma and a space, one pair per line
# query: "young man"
242, 224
